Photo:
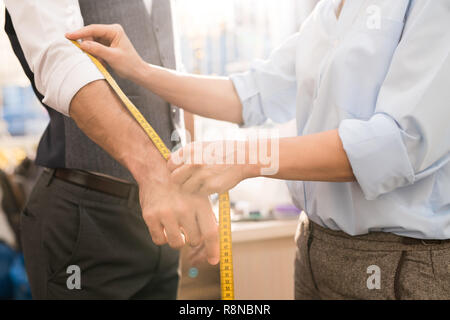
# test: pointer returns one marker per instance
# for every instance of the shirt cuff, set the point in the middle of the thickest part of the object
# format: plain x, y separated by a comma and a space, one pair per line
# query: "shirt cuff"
69, 81
377, 154
248, 92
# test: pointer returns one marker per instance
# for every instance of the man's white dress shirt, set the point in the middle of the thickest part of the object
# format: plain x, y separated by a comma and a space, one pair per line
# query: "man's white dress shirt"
60, 69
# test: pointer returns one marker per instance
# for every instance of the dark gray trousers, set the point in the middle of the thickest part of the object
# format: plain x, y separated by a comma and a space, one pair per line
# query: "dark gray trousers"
69, 231
333, 265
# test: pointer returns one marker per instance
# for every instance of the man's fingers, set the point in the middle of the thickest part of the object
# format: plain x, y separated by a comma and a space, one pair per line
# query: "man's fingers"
209, 229
196, 256
173, 232
96, 31
195, 250
157, 233
156, 229
191, 229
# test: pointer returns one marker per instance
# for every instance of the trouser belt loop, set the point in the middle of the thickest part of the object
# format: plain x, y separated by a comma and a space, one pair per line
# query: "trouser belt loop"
309, 243
310, 226
398, 270
432, 242
424, 242
50, 174
133, 197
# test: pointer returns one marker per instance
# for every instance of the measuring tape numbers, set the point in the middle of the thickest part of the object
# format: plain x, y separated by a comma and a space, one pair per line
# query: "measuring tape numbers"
226, 257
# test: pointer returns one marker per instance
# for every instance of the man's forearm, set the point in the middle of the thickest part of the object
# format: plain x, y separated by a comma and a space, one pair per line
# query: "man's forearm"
99, 113
211, 97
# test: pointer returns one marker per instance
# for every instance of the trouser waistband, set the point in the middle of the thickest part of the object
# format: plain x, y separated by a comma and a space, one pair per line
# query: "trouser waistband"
95, 188
374, 240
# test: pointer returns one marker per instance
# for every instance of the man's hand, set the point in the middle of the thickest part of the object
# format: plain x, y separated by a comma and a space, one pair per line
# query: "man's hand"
111, 44
179, 218
196, 256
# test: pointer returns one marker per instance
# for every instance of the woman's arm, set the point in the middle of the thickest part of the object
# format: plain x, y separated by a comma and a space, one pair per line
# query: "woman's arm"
211, 97
316, 157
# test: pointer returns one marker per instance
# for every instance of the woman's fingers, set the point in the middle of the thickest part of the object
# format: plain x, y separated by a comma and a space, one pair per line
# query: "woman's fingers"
176, 159
97, 31
97, 39
201, 179
193, 179
203, 174
191, 154
98, 50
195, 183
183, 173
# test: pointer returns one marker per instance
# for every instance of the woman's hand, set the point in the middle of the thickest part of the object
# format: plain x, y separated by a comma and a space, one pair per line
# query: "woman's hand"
216, 167
210, 167
110, 44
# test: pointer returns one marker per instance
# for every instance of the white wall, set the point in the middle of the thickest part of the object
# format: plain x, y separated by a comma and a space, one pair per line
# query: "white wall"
10, 70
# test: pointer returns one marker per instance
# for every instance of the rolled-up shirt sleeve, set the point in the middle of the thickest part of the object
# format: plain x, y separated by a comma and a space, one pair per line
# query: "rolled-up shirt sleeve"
60, 69
408, 138
269, 89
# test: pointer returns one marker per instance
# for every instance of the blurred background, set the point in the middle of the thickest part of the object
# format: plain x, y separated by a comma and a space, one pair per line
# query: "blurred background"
214, 37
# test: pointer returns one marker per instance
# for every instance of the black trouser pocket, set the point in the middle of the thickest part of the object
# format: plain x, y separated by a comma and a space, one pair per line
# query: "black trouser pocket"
61, 240
84, 249
49, 233
30, 237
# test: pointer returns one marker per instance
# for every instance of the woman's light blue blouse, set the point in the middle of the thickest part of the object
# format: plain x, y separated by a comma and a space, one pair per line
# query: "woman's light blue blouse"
380, 74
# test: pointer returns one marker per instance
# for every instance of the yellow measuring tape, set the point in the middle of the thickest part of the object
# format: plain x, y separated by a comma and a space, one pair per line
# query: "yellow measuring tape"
226, 258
